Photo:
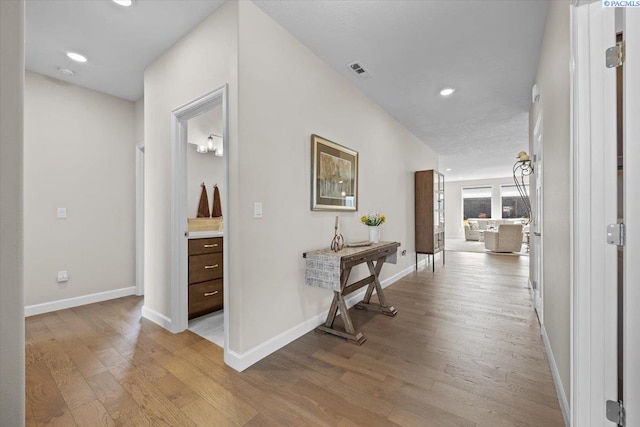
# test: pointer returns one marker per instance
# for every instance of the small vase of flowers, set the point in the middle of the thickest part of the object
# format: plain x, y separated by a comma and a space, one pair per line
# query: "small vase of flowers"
373, 220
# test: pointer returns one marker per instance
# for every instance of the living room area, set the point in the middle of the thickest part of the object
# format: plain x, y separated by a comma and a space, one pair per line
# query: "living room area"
487, 216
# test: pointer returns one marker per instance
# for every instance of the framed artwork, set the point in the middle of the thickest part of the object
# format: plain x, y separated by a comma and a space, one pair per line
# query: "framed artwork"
334, 176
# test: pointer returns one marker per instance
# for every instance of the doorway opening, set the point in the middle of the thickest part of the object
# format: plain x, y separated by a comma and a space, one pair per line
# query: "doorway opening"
199, 255
205, 169
620, 218
537, 277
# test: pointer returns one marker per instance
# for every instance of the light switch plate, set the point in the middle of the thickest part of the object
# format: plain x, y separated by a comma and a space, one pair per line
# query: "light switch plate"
63, 276
257, 209
62, 213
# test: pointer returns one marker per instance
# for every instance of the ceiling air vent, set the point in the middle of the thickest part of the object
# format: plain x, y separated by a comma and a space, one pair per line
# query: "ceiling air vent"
357, 68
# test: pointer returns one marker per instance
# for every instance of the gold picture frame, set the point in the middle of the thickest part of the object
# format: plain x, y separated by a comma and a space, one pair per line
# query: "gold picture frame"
334, 176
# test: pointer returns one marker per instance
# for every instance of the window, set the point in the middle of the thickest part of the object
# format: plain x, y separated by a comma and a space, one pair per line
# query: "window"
512, 204
476, 202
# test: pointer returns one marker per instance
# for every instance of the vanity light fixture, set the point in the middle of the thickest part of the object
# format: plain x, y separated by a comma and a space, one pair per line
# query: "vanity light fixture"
76, 57
448, 91
214, 143
125, 3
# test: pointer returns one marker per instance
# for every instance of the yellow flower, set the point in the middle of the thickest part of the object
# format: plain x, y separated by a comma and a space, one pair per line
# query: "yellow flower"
363, 219
382, 219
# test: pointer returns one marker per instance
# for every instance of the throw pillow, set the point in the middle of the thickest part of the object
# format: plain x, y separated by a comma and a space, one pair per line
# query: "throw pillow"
473, 225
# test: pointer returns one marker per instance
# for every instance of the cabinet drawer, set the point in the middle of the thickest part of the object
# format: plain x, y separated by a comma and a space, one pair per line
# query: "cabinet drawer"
205, 267
205, 297
205, 246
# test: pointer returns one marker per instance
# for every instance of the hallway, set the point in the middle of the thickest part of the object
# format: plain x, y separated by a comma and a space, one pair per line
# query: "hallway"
464, 350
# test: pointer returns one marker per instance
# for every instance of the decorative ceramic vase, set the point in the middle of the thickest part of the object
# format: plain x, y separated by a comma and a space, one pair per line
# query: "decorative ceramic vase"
374, 233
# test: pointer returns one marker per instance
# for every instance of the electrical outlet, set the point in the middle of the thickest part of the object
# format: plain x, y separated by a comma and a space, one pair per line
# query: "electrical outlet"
62, 213
63, 276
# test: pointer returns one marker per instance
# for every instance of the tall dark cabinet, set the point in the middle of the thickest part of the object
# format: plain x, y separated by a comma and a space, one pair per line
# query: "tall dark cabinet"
429, 199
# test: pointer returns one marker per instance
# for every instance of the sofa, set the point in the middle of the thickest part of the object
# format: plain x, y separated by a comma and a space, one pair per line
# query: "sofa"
508, 238
475, 225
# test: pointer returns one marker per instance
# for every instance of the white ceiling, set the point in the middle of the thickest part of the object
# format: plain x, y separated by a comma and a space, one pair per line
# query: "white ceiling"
119, 41
488, 50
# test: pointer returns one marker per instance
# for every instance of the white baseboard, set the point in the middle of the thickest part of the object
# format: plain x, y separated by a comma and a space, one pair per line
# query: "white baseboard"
155, 317
47, 307
241, 361
562, 397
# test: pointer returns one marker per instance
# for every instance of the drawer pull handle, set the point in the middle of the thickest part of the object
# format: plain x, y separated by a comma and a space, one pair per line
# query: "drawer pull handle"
208, 267
211, 246
208, 294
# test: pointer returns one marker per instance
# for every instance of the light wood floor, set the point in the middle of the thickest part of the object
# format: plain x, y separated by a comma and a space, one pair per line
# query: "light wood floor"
464, 350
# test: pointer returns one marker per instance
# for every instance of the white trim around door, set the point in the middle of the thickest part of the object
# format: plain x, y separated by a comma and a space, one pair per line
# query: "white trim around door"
631, 319
593, 206
178, 271
140, 219
536, 239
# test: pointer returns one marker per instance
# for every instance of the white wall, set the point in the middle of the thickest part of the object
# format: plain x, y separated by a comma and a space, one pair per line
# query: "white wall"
453, 202
139, 121
79, 154
202, 61
287, 93
12, 384
553, 79
203, 167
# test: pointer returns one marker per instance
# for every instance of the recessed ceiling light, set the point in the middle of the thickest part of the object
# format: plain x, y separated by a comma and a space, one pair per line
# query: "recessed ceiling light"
65, 72
448, 169
77, 57
447, 91
125, 3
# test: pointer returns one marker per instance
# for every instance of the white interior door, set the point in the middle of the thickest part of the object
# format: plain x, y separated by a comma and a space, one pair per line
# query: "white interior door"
535, 237
631, 295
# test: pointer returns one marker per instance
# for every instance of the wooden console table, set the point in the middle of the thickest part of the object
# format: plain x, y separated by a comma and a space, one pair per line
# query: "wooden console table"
331, 270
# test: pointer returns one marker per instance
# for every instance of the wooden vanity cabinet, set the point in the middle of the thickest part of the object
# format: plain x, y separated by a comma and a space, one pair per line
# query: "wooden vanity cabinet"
205, 276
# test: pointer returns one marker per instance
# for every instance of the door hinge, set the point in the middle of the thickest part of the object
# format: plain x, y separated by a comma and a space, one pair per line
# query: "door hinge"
615, 234
615, 55
615, 412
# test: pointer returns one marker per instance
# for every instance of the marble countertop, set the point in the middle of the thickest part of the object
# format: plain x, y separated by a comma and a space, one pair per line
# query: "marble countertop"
205, 234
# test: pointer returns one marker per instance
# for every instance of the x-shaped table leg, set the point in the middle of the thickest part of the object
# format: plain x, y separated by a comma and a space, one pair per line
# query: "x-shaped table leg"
339, 303
365, 304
